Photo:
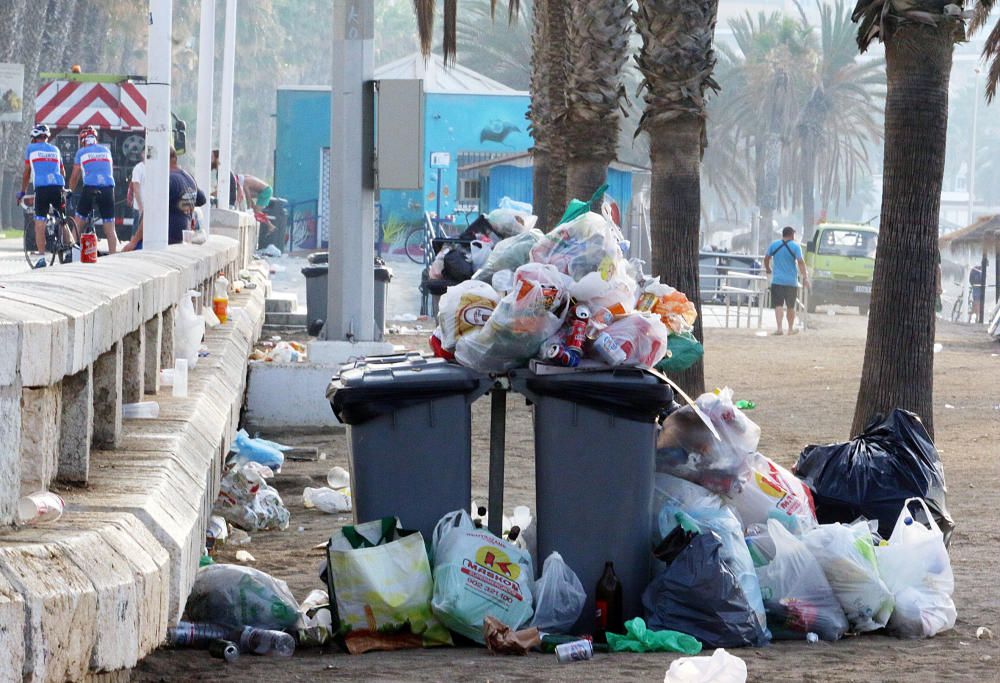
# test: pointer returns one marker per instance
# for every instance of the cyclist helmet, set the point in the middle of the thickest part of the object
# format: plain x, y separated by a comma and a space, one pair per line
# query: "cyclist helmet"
88, 132
40, 131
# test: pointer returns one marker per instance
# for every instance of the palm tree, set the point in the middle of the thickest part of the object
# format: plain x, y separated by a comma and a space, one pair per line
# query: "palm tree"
676, 61
770, 75
503, 52
840, 119
598, 39
546, 114
425, 10
991, 50
898, 370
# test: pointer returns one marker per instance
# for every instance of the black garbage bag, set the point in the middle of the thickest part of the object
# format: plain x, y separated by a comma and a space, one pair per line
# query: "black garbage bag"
872, 475
458, 264
699, 595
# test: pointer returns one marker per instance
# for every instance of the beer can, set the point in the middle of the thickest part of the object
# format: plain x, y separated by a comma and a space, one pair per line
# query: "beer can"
577, 651
88, 247
577, 335
560, 355
224, 649
581, 312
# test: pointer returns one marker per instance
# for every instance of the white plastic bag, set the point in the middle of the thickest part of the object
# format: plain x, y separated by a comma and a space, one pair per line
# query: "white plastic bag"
477, 575
916, 568
581, 246
479, 251
465, 308
772, 492
797, 597
528, 315
559, 597
721, 667
247, 501
326, 500
508, 254
642, 337
235, 596
189, 328
847, 556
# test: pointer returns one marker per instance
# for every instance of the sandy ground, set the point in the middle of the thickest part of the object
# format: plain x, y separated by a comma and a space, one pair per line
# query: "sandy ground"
805, 387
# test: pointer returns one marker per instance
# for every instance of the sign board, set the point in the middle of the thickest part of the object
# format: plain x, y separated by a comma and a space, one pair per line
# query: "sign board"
11, 91
440, 159
400, 134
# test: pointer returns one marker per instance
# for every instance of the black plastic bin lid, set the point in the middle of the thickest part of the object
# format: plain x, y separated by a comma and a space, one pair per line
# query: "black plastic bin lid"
316, 270
379, 385
629, 393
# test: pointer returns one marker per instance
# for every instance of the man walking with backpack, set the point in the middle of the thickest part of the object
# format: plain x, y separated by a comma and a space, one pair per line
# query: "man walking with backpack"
782, 260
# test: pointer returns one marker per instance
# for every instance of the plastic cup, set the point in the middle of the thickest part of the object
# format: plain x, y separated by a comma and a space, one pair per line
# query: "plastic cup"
188, 236
167, 377
142, 410
41, 506
180, 379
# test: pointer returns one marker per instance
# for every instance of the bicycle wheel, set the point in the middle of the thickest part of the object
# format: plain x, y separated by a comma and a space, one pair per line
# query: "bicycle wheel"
29, 245
65, 240
414, 245
956, 311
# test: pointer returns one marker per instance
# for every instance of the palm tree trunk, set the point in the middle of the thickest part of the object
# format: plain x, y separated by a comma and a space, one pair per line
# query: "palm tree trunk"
674, 213
585, 174
898, 369
546, 113
808, 172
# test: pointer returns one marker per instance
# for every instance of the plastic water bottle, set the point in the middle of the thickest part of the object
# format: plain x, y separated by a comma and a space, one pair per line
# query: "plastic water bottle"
188, 634
262, 641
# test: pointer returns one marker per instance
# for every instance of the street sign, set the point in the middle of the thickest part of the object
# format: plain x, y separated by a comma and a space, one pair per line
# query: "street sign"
440, 159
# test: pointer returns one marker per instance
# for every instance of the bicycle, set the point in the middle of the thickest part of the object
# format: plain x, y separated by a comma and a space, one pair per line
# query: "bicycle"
419, 242
59, 235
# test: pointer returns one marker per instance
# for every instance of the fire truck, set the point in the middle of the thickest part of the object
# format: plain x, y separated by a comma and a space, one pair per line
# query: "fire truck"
116, 106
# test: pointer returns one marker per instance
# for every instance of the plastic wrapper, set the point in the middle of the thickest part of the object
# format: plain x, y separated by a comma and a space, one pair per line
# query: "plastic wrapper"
502, 640
559, 597
583, 245
246, 500
673, 307
476, 575
734, 552
643, 338
916, 568
772, 492
698, 593
464, 308
797, 596
847, 555
234, 596
380, 583
528, 315
639, 638
872, 475
686, 448
721, 667
508, 254
248, 449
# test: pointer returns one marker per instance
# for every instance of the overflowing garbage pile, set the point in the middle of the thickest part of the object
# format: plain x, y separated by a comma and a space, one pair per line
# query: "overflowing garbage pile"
565, 297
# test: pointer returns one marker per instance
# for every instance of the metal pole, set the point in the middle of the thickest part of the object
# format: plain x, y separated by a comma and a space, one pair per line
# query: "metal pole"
498, 438
206, 72
437, 197
972, 152
981, 313
157, 190
226, 118
351, 294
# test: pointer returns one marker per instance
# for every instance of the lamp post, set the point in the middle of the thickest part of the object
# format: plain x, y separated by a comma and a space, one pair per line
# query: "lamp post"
206, 73
155, 198
972, 151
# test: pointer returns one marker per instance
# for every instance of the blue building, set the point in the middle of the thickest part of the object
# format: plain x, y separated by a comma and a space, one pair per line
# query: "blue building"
466, 115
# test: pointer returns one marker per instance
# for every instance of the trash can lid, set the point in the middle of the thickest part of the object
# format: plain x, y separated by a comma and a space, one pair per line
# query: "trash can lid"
628, 392
319, 257
316, 270
383, 274
377, 385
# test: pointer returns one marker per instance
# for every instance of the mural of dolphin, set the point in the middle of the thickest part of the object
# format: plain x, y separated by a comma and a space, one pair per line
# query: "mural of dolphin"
497, 131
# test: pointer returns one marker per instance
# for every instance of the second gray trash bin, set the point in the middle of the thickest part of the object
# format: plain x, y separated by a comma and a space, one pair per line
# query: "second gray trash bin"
410, 436
595, 436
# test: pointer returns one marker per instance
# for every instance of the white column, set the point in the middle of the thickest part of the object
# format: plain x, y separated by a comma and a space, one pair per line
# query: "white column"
226, 117
351, 300
206, 64
155, 193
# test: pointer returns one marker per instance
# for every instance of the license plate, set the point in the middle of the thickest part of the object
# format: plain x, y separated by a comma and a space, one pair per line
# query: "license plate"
863, 289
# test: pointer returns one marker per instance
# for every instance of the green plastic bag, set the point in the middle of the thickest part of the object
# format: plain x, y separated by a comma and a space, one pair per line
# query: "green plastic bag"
640, 639
685, 351
577, 208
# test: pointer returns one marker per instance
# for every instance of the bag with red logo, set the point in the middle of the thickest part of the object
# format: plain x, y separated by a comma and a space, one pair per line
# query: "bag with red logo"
797, 597
772, 492
465, 308
477, 575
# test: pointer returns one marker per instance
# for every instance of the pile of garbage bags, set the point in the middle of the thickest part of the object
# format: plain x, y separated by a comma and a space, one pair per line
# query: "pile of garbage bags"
750, 552
562, 297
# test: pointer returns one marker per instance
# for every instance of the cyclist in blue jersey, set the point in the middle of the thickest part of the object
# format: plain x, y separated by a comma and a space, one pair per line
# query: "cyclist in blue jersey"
43, 167
93, 164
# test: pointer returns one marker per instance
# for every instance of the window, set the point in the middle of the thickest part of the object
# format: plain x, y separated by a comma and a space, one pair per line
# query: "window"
468, 191
848, 243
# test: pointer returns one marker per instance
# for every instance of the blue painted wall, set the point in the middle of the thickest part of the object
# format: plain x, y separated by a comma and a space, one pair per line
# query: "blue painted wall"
303, 129
515, 182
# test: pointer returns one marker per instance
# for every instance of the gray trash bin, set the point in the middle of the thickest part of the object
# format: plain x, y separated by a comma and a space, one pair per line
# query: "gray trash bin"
595, 435
409, 427
317, 273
